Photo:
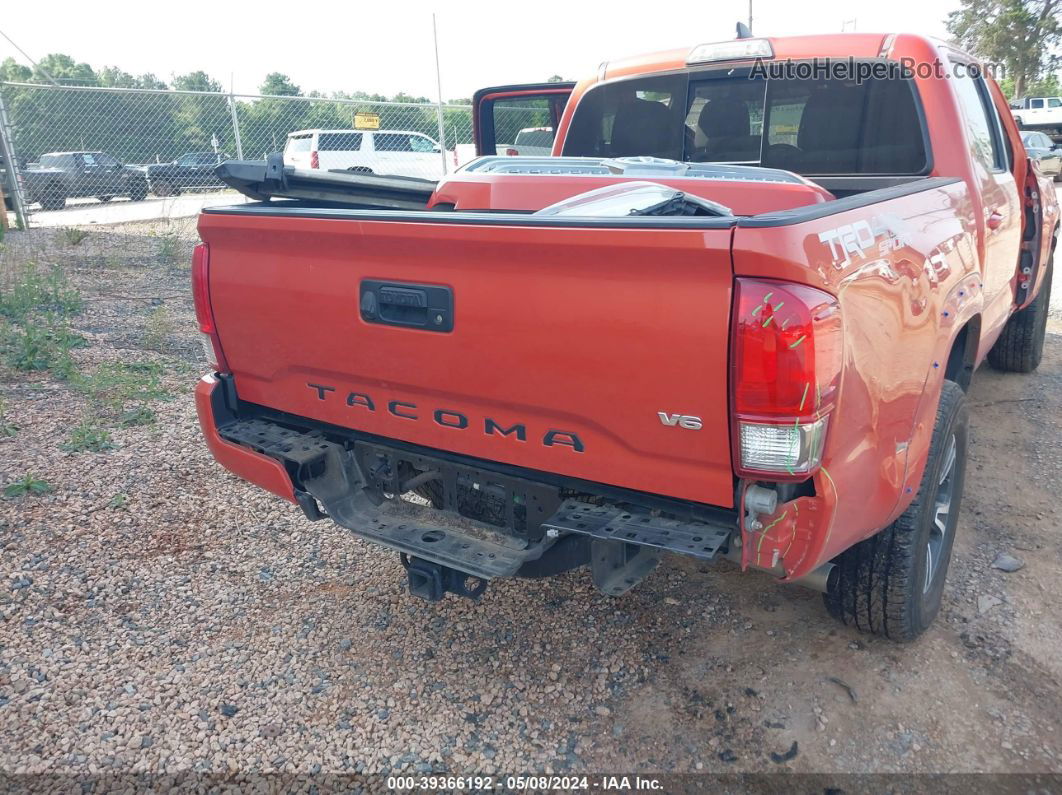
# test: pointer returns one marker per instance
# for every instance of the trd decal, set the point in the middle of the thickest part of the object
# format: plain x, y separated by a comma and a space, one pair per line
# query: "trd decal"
859, 237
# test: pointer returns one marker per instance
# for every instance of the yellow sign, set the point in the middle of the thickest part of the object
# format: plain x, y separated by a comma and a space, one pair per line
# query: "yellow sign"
366, 121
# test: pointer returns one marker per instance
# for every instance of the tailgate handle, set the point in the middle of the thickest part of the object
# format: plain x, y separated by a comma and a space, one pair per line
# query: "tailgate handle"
421, 306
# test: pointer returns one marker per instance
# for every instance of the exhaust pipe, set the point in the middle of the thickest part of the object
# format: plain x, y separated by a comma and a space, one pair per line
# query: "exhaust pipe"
817, 580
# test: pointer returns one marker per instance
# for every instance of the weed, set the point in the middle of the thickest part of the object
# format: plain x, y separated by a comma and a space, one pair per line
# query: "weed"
158, 328
71, 235
118, 502
140, 415
114, 384
7, 428
169, 246
36, 292
43, 344
88, 436
27, 484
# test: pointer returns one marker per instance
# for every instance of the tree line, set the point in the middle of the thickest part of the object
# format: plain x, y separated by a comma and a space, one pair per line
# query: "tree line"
145, 127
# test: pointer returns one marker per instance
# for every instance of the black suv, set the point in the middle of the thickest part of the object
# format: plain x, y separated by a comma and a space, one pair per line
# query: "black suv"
65, 175
190, 170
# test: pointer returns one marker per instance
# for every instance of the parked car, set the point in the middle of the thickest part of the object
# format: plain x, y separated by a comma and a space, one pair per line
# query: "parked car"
1039, 113
385, 152
1046, 153
64, 175
637, 347
529, 141
190, 170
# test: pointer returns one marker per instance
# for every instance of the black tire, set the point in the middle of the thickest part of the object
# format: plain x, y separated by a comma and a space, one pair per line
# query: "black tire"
881, 585
163, 188
138, 191
53, 197
360, 170
1020, 347
1018, 121
104, 199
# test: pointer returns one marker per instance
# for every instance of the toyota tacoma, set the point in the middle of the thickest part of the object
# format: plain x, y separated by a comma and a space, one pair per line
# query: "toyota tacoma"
733, 315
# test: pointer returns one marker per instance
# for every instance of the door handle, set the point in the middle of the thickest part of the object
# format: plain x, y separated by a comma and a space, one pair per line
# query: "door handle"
994, 220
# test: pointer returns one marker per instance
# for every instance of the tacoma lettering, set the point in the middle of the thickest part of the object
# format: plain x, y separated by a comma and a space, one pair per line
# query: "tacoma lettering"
449, 418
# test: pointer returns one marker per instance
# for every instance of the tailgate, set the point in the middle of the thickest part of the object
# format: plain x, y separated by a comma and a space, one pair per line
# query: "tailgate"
575, 350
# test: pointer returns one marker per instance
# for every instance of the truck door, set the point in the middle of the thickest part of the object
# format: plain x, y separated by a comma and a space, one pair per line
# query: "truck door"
1000, 220
499, 113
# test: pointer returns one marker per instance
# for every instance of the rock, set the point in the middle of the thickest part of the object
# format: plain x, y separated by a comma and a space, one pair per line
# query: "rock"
1007, 563
603, 711
271, 731
986, 602
228, 710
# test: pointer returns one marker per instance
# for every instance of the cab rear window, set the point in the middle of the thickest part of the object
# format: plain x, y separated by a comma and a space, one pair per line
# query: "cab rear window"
812, 127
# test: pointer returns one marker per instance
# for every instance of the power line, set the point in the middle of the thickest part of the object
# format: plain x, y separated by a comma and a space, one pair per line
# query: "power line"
36, 66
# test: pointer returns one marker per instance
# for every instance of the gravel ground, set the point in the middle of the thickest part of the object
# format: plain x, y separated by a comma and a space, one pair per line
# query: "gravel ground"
159, 615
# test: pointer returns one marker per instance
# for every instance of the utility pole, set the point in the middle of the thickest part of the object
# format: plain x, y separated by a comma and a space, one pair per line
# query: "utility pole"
750, 16
438, 85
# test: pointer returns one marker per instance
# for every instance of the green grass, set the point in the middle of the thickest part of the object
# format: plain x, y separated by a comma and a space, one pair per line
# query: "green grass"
27, 485
118, 502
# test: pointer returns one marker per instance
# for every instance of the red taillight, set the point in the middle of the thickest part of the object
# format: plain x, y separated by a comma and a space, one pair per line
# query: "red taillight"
510, 152
204, 314
786, 368
315, 161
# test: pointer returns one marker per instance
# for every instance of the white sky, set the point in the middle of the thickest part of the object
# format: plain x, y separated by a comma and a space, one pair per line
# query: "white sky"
387, 47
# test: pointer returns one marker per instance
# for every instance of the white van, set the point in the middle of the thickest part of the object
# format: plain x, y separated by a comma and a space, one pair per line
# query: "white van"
386, 152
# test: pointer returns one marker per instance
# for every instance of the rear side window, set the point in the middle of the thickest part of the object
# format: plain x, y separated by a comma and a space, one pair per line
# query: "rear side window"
979, 116
813, 127
392, 142
1036, 104
1054, 102
339, 142
631, 118
298, 143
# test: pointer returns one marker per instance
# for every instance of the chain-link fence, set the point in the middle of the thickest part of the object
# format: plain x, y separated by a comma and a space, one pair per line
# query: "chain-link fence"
80, 147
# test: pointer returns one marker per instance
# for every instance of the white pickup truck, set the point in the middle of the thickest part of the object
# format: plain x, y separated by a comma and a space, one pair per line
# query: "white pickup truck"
1039, 113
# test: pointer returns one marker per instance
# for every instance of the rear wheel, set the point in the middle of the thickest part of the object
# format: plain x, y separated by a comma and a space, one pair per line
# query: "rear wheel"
1021, 345
138, 191
892, 583
163, 188
53, 197
360, 170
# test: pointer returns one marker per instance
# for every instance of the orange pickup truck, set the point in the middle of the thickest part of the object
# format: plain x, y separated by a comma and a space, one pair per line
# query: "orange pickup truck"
734, 315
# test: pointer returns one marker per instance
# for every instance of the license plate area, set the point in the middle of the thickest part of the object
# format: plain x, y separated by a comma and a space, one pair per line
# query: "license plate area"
512, 505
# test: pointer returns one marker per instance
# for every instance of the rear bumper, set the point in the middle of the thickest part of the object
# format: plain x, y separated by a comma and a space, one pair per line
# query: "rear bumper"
268, 473
481, 521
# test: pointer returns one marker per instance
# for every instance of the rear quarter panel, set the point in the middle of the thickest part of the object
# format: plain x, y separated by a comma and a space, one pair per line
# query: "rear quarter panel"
905, 273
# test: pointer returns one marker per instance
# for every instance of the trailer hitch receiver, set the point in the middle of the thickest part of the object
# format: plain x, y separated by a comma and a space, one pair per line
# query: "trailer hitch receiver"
430, 581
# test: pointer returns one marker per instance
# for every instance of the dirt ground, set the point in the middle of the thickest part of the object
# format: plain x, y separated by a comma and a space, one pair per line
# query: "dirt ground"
157, 614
